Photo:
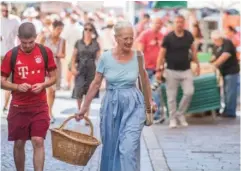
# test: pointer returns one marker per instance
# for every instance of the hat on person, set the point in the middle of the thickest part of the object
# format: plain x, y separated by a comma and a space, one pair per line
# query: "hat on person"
30, 12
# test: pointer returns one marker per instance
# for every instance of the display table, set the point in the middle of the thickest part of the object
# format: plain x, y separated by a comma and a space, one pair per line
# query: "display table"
206, 95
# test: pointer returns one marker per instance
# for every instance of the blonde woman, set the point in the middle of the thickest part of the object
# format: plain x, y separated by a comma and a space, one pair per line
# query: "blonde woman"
122, 111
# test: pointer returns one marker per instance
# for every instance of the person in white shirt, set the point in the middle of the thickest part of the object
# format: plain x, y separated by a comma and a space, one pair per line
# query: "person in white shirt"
107, 37
8, 39
31, 14
71, 33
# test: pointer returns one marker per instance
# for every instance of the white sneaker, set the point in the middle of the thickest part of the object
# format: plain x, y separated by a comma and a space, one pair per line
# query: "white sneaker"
183, 121
173, 123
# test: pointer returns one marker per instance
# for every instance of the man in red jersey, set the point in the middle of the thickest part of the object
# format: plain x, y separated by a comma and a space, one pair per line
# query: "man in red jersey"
28, 117
150, 43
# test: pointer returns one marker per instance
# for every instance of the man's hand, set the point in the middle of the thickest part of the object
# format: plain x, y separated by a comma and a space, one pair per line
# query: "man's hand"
23, 87
154, 106
158, 75
60, 55
37, 88
75, 72
197, 70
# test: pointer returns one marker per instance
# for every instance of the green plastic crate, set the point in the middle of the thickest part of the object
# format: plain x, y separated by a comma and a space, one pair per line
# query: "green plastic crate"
204, 57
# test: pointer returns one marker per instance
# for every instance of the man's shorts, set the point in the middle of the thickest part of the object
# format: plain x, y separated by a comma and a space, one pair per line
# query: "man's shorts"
25, 122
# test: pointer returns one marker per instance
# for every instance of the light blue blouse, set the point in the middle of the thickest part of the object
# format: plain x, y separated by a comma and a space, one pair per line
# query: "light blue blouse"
118, 75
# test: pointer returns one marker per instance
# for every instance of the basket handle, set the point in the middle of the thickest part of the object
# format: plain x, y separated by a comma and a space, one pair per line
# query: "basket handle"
85, 118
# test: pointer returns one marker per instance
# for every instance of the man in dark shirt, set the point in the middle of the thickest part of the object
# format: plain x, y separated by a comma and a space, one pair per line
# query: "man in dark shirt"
175, 50
226, 61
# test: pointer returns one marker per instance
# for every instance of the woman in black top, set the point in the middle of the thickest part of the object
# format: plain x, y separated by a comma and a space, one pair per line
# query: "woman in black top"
84, 57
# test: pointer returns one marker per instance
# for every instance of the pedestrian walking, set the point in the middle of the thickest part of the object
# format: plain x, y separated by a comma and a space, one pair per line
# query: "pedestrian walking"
107, 36
85, 54
28, 117
122, 113
198, 38
8, 39
143, 24
57, 45
175, 51
227, 61
31, 15
72, 32
149, 43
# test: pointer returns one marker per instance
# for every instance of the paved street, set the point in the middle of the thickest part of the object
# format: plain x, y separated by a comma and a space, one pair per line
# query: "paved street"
204, 146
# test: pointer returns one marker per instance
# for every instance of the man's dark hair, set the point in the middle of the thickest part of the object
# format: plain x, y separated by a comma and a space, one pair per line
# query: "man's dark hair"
57, 23
147, 16
4, 4
27, 30
180, 16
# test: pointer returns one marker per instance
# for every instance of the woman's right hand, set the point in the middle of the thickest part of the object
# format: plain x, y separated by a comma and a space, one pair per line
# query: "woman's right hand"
80, 115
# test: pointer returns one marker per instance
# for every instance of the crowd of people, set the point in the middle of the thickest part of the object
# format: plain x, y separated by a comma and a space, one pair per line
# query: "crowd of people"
70, 47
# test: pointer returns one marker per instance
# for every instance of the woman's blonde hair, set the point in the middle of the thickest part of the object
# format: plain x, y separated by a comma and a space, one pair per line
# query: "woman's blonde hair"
120, 25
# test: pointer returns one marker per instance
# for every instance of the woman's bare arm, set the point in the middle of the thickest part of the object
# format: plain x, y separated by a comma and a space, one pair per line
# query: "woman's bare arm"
93, 89
73, 62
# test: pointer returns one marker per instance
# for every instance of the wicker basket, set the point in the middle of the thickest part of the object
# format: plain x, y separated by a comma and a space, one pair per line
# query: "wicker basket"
73, 147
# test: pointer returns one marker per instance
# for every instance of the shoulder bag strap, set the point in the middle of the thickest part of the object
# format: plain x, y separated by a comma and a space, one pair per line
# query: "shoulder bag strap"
142, 82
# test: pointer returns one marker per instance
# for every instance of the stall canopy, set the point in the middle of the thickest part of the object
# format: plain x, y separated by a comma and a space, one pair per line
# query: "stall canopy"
168, 4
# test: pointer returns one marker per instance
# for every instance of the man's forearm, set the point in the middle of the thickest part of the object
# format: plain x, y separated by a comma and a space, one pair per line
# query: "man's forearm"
51, 81
160, 60
195, 58
6, 85
222, 59
218, 62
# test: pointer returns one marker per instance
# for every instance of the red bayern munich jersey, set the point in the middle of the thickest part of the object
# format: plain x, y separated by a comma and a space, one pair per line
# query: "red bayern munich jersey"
29, 68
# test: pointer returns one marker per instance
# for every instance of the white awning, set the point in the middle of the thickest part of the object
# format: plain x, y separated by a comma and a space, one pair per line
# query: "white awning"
215, 4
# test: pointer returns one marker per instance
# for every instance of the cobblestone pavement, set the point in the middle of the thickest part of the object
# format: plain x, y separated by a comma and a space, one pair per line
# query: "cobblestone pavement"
205, 145
63, 107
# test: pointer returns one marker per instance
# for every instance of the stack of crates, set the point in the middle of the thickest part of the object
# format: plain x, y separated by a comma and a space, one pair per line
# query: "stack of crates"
206, 95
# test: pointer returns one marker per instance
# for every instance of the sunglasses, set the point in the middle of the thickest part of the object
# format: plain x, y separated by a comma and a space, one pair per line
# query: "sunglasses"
88, 29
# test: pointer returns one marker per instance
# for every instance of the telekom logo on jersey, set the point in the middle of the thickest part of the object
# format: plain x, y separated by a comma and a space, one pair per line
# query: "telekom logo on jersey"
23, 71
